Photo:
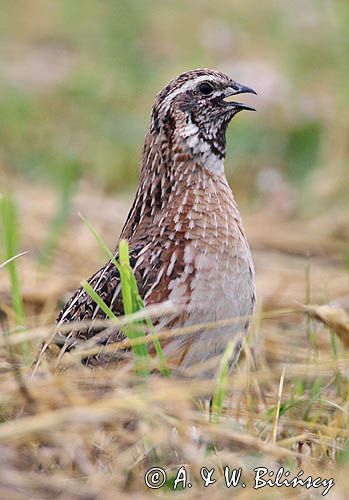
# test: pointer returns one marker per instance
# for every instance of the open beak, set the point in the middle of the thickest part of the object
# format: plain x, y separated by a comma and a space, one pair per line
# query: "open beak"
235, 89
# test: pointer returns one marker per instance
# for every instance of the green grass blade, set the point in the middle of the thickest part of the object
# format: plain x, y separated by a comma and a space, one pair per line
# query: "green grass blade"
99, 301
135, 302
126, 282
108, 253
132, 301
10, 245
140, 351
218, 397
141, 358
164, 370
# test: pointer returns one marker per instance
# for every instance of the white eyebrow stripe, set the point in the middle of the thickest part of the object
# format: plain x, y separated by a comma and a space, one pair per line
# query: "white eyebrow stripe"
188, 85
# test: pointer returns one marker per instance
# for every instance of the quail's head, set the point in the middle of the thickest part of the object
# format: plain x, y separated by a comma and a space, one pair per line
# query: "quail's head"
197, 107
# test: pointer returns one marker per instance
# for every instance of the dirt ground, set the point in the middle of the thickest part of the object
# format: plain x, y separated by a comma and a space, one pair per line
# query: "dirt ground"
69, 435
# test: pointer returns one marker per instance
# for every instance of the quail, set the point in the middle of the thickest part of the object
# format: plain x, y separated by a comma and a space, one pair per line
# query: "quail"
186, 240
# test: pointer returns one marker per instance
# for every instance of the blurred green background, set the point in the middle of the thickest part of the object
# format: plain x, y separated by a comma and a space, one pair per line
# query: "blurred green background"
78, 79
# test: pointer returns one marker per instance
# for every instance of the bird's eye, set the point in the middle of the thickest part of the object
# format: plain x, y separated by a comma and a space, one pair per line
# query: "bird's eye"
206, 88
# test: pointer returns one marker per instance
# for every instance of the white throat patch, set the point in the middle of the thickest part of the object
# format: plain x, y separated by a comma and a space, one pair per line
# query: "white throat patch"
200, 149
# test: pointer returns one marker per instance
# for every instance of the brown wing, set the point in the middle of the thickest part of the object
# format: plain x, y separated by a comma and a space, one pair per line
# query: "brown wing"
156, 263
106, 283
150, 276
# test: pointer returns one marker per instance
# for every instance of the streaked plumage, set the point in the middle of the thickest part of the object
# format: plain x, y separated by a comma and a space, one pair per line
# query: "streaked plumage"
186, 239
